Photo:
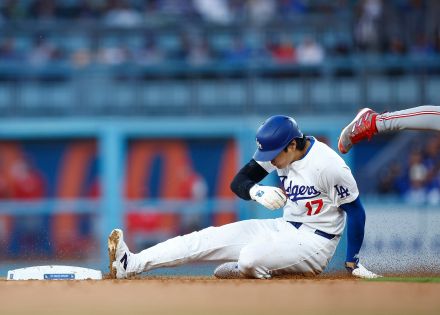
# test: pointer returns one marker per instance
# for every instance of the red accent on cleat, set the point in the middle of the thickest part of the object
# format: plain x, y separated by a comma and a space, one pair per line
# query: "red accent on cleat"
363, 126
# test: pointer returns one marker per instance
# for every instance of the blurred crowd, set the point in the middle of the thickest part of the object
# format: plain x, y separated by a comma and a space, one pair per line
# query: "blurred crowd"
237, 31
417, 179
190, 49
134, 12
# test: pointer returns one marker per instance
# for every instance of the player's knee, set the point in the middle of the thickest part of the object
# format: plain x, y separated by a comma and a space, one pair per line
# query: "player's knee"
251, 265
246, 266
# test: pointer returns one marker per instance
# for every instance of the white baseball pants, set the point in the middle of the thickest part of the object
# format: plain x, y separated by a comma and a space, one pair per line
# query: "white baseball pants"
262, 248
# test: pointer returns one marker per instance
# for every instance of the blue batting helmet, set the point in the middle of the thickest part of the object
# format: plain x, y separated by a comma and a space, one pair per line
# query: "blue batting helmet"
274, 135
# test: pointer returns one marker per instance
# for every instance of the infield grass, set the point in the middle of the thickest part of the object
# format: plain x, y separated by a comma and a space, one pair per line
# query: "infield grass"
408, 279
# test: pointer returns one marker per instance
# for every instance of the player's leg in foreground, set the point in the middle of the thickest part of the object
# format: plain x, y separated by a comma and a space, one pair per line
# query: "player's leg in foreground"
367, 123
262, 248
306, 254
213, 243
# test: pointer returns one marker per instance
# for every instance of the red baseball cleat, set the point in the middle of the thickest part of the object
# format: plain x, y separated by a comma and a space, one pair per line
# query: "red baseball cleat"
362, 127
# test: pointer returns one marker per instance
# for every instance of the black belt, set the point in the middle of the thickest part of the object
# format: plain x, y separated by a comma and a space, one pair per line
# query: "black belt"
318, 232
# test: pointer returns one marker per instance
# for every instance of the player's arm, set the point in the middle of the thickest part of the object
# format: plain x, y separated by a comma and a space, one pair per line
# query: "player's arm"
355, 236
342, 189
245, 185
355, 229
246, 178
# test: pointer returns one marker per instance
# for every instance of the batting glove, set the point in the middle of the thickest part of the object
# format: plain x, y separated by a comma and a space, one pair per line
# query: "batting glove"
271, 197
359, 271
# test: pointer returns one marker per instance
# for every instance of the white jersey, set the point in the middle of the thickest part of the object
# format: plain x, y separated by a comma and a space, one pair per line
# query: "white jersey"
316, 186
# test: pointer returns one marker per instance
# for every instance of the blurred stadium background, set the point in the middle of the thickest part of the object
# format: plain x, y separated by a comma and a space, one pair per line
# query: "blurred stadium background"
137, 114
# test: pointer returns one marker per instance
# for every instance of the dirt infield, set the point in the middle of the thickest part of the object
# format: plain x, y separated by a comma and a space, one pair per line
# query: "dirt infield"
210, 296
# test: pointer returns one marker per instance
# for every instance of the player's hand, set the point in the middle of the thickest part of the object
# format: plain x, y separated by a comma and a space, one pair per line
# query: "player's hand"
271, 197
359, 271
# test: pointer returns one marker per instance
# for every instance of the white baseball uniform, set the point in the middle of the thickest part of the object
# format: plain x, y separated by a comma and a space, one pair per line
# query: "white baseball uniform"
316, 186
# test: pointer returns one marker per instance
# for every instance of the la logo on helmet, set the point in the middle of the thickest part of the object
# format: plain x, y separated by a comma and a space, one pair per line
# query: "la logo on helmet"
259, 145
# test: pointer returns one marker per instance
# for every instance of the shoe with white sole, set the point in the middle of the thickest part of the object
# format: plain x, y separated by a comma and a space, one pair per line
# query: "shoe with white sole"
119, 255
228, 270
363, 126
359, 271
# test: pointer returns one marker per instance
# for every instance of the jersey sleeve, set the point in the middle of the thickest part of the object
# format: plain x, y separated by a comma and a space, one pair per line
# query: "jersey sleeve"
247, 176
268, 166
339, 183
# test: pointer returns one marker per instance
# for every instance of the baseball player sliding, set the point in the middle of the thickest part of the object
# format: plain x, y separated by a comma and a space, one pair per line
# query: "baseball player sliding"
367, 123
319, 196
